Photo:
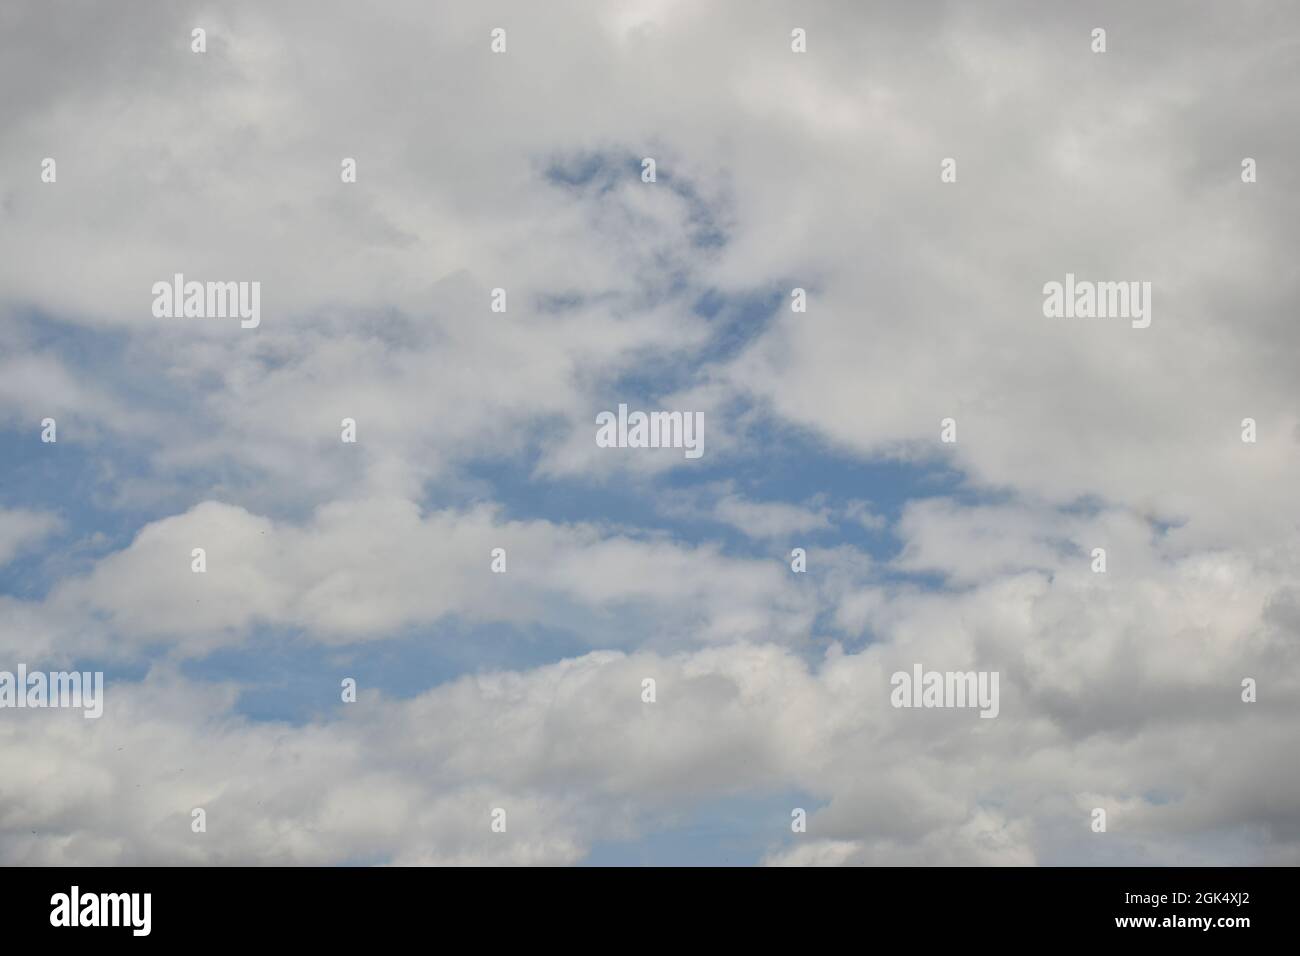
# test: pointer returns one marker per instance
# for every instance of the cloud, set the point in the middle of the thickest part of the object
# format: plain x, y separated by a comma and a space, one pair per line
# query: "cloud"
1119, 709
368, 569
476, 428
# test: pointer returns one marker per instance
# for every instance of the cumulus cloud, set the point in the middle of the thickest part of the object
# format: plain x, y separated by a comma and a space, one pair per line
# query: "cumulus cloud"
368, 569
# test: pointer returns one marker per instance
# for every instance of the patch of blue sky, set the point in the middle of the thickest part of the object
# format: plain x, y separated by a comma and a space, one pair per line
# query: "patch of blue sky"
71, 481
104, 490
787, 465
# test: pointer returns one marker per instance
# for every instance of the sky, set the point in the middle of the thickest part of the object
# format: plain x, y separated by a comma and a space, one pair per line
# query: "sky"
524, 691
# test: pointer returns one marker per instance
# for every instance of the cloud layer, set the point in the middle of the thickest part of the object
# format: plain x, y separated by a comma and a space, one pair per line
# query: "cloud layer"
775, 171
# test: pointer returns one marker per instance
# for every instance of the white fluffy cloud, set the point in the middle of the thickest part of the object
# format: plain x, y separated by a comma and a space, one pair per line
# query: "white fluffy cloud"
1114, 695
365, 570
